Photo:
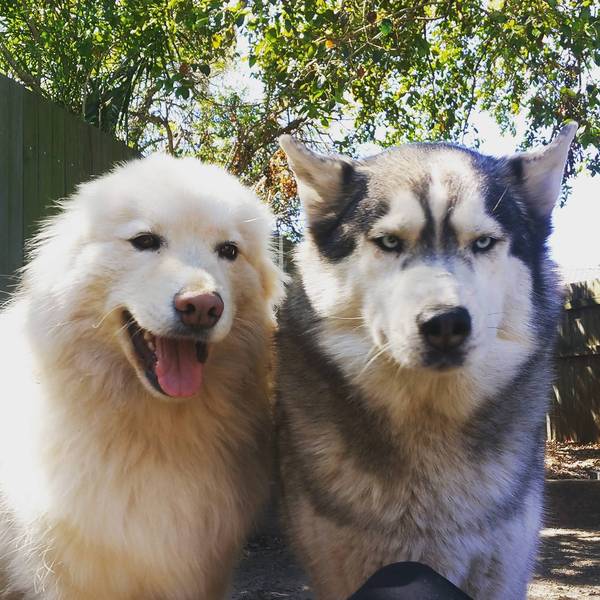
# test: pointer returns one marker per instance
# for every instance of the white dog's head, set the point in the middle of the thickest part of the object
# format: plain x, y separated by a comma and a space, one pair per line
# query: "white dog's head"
160, 257
430, 255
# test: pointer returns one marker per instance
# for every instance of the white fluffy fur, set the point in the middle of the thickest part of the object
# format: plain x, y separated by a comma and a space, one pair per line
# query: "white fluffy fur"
108, 489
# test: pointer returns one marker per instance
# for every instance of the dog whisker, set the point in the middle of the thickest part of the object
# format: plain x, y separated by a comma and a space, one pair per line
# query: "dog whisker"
249, 326
346, 318
359, 326
102, 319
500, 200
371, 360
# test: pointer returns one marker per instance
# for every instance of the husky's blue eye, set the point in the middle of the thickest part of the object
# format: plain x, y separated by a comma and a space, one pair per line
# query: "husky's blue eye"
146, 241
484, 243
389, 243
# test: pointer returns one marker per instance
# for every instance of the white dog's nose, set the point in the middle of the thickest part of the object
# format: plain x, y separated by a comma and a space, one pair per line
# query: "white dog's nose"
447, 330
199, 310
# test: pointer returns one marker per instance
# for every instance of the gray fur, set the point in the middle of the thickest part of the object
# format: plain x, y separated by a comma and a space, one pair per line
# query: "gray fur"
362, 489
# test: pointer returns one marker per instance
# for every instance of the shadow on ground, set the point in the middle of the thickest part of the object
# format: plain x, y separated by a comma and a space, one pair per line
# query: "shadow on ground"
268, 572
569, 558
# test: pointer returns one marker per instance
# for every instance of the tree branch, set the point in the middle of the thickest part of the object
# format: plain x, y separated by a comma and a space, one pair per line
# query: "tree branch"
27, 78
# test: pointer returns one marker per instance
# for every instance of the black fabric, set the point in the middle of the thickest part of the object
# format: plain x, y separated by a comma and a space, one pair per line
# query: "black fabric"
408, 581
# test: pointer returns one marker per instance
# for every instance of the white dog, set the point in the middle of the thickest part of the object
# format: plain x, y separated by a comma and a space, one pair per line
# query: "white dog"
134, 416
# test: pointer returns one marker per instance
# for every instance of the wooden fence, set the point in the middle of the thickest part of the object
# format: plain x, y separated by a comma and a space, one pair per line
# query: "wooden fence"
44, 153
575, 404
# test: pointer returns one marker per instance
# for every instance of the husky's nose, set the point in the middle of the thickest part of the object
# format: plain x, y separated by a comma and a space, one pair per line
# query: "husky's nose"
447, 330
199, 310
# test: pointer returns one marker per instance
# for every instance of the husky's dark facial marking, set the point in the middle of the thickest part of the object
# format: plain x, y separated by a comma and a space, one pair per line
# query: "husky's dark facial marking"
415, 362
336, 233
427, 236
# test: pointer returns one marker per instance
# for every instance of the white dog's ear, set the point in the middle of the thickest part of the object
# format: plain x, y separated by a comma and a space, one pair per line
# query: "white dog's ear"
540, 171
272, 280
321, 179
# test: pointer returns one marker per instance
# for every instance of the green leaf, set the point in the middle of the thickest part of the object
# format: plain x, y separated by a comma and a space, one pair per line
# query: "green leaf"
385, 27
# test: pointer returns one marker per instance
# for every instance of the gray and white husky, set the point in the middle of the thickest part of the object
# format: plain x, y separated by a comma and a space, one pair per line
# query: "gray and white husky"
415, 363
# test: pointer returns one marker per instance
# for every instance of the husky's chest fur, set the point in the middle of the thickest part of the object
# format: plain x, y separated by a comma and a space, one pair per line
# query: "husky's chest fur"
415, 364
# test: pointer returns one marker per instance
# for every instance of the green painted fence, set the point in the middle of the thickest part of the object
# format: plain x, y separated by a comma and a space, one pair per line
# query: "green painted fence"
44, 153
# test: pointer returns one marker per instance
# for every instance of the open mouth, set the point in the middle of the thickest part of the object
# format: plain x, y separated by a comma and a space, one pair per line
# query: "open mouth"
173, 366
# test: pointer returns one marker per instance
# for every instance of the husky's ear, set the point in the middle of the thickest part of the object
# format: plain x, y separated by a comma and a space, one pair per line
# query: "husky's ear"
321, 179
540, 171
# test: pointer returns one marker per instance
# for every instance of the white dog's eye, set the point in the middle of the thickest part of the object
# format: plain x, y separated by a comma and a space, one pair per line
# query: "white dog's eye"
227, 250
484, 243
389, 243
146, 241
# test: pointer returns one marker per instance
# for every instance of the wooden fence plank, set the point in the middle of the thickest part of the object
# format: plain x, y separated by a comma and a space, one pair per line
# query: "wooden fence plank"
57, 156
575, 402
11, 195
46, 166
31, 147
575, 411
96, 152
85, 140
72, 154
5, 269
16, 204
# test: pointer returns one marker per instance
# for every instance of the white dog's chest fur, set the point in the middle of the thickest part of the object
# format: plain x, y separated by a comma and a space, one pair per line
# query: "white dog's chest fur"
119, 500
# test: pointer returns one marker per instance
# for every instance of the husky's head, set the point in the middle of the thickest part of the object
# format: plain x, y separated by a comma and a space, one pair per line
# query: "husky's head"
156, 263
431, 255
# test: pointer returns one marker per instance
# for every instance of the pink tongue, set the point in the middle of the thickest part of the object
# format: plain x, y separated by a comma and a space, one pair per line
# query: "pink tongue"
177, 368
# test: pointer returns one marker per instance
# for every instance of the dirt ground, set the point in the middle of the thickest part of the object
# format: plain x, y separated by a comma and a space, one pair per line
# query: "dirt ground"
569, 460
569, 559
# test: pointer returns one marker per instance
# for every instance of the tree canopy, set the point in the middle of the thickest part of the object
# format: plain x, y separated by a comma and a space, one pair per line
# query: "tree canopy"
338, 72
115, 62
